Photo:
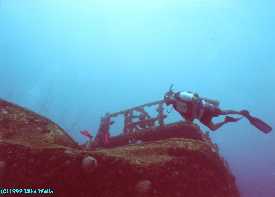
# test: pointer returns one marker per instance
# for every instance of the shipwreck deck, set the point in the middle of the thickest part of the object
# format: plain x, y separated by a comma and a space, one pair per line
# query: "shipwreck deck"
174, 130
140, 125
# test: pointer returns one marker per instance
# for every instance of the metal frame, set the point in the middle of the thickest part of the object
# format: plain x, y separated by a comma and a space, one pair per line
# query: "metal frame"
145, 121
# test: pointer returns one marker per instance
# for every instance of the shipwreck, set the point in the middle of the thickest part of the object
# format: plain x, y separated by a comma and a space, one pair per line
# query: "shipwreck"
140, 126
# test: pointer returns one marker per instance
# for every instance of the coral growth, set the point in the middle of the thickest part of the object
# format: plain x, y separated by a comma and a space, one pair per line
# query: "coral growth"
173, 167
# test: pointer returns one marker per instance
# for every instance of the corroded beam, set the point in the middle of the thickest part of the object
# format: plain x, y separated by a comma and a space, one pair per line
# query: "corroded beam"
136, 108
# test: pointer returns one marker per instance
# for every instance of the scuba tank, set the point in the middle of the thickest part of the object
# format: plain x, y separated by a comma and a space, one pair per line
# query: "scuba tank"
185, 96
211, 101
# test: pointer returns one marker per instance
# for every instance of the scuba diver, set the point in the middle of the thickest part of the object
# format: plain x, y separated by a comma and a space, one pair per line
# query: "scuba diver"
191, 106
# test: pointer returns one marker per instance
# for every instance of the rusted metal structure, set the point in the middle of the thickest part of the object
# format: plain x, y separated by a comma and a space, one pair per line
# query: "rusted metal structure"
140, 125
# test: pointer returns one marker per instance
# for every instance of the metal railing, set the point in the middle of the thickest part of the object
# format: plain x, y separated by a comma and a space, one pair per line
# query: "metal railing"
132, 123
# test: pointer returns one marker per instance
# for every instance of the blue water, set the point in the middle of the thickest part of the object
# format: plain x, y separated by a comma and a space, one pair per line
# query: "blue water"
75, 60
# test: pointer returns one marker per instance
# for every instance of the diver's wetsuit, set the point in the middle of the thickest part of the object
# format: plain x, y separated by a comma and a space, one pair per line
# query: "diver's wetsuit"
210, 111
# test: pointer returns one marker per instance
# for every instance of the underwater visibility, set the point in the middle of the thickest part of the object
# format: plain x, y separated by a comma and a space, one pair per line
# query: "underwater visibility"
86, 108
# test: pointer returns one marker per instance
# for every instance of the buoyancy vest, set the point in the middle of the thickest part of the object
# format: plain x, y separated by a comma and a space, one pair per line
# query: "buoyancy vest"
186, 104
191, 106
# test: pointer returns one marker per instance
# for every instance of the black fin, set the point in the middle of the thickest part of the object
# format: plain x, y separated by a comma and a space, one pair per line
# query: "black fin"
259, 124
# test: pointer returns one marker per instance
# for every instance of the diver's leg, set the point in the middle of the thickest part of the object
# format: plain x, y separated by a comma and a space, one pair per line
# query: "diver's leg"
226, 112
215, 126
244, 113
